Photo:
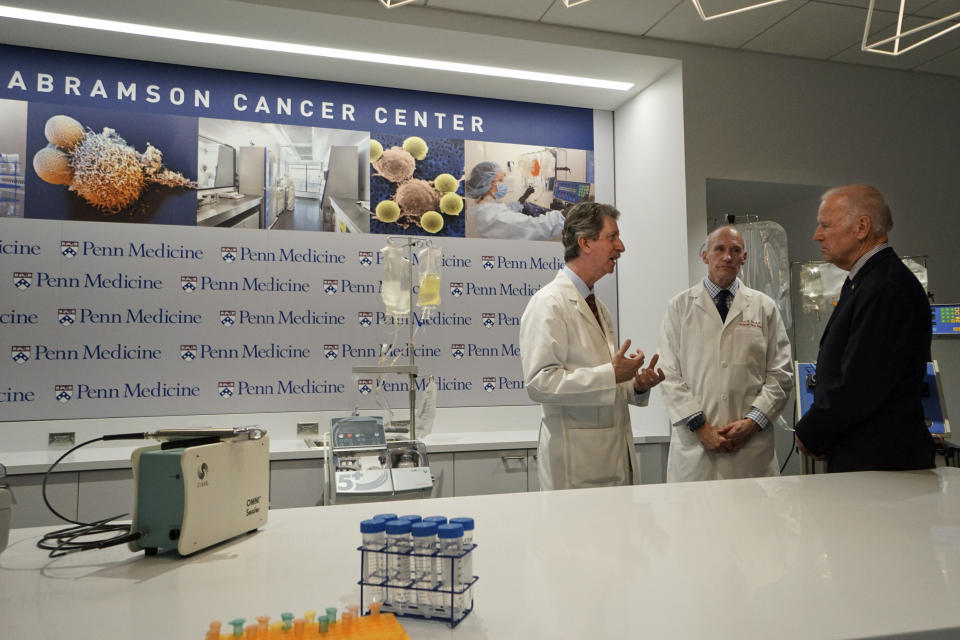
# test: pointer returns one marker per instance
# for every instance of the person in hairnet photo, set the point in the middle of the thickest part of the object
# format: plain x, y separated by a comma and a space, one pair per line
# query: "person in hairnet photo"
494, 218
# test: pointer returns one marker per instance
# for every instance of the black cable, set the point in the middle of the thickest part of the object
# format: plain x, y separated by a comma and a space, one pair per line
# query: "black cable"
784, 465
72, 539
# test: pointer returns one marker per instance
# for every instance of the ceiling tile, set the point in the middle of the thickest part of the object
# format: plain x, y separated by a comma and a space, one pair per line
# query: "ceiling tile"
684, 23
510, 9
885, 5
938, 9
816, 30
908, 60
947, 64
633, 17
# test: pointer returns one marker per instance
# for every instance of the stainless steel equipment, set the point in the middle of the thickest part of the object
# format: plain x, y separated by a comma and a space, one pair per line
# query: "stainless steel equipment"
361, 466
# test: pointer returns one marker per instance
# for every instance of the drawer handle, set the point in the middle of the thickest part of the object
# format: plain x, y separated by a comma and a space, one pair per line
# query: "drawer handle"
505, 458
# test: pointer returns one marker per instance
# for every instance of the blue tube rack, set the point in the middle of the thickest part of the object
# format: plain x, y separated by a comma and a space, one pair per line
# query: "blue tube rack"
411, 610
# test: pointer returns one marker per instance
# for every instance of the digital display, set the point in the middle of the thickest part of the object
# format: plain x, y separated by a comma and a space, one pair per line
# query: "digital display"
946, 319
358, 431
571, 191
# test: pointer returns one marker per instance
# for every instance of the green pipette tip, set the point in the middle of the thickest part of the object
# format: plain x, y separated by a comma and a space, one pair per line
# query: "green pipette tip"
237, 627
287, 620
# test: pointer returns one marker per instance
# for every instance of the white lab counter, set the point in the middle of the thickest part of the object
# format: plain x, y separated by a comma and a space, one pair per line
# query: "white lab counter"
861, 555
117, 456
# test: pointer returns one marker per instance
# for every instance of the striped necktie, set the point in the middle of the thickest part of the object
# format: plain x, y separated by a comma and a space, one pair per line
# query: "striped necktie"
592, 303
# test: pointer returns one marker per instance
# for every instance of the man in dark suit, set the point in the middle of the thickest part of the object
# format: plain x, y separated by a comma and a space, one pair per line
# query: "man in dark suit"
866, 412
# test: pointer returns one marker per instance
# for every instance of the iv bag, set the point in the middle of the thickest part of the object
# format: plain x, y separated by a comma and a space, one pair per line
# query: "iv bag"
429, 291
395, 284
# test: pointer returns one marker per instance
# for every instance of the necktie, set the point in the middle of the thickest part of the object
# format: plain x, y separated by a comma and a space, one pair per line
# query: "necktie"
723, 304
846, 285
592, 303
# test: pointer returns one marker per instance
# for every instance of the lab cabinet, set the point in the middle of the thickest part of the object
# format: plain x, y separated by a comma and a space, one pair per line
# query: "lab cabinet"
441, 468
652, 460
104, 494
533, 482
485, 472
28, 508
296, 483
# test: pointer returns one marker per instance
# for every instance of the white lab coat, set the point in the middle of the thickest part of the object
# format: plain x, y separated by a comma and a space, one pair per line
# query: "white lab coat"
585, 436
723, 369
497, 220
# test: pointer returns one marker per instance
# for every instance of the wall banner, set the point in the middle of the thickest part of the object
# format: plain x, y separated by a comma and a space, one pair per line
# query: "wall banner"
134, 281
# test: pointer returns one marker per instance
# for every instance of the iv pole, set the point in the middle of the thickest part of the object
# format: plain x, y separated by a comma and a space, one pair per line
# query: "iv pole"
410, 369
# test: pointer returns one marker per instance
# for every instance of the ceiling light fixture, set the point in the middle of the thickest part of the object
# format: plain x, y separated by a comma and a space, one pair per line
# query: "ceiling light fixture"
390, 4
573, 3
305, 49
723, 14
880, 46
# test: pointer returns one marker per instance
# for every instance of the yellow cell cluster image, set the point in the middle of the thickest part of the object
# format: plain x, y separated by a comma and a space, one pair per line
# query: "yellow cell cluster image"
101, 168
415, 200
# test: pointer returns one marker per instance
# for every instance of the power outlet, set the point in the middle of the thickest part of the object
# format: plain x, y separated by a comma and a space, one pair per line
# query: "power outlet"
62, 439
308, 428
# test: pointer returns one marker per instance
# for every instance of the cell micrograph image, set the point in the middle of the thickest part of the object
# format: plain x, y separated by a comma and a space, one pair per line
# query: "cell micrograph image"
416, 186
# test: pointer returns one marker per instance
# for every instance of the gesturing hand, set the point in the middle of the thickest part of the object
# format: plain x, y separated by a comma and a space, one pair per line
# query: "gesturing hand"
648, 378
625, 366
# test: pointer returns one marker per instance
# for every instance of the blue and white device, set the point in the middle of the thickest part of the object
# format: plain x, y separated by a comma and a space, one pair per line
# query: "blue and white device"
934, 407
945, 319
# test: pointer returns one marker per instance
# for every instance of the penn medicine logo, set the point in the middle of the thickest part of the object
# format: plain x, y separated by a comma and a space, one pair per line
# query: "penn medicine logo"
226, 389
488, 262
228, 254
22, 279
365, 386
366, 258
228, 318
365, 318
188, 352
457, 351
188, 283
489, 320
68, 248
330, 287
330, 351
456, 289
490, 384
63, 392
66, 317
20, 353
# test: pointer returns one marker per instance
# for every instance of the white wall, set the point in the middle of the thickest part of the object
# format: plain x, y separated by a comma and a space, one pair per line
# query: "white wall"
649, 141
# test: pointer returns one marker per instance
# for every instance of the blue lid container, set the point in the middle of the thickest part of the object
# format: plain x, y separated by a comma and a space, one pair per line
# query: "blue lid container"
412, 518
423, 529
437, 519
384, 516
398, 527
447, 531
467, 523
373, 526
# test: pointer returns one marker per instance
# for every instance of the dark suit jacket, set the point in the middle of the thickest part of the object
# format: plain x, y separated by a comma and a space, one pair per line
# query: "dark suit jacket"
866, 412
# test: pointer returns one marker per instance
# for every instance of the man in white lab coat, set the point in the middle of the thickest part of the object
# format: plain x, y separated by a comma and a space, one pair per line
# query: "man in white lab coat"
727, 359
571, 364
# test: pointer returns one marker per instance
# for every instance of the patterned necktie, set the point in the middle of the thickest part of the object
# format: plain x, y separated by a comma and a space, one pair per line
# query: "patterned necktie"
723, 304
592, 303
846, 285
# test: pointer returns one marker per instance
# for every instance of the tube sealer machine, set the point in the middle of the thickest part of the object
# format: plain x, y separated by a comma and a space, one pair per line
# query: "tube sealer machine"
200, 487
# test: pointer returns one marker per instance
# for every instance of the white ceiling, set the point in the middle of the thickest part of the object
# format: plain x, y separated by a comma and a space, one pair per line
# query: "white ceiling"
819, 29
526, 34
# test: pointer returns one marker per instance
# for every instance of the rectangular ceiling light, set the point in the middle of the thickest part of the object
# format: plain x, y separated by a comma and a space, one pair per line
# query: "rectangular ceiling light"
722, 14
893, 46
305, 49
